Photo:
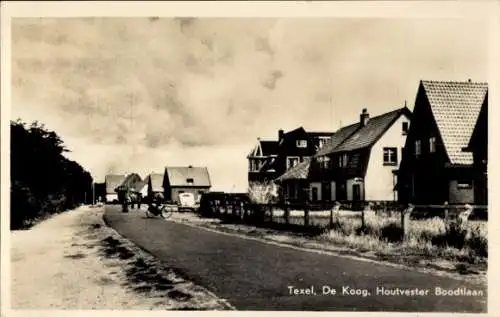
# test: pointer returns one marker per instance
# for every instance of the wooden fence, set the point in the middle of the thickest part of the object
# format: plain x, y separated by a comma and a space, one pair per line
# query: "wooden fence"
316, 217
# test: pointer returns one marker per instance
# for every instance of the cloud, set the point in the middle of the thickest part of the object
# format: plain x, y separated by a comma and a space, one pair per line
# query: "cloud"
173, 84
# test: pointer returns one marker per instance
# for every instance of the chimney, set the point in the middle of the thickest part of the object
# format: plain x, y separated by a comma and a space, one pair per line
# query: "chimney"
364, 117
280, 134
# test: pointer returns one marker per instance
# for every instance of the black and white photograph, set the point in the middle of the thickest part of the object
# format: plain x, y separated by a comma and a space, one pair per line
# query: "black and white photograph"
160, 162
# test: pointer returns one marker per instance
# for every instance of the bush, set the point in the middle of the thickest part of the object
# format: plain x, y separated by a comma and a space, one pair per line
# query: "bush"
392, 232
478, 243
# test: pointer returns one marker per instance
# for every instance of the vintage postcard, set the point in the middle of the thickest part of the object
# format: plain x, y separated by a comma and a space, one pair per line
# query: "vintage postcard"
278, 157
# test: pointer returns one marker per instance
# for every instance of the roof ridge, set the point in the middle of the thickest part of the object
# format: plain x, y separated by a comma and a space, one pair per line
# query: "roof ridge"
455, 82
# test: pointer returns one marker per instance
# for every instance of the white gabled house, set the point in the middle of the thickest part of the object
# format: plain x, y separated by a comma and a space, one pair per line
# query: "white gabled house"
360, 161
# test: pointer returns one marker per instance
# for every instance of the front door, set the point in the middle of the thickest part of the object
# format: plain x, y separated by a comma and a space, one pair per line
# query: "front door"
341, 191
356, 192
326, 194
314, 194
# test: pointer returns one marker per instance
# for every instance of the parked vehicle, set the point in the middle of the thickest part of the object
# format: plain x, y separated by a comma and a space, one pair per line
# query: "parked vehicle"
187, 201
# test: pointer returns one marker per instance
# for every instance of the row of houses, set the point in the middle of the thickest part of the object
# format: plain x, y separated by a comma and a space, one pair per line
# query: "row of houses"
434, 155
173, 181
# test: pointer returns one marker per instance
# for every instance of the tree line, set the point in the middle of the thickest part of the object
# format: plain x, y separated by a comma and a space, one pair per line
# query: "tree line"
43, 180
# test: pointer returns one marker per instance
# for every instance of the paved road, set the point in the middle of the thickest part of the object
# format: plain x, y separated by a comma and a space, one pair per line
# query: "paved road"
253, 275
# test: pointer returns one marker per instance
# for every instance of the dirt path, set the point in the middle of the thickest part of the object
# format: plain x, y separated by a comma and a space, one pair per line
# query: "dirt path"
74, 261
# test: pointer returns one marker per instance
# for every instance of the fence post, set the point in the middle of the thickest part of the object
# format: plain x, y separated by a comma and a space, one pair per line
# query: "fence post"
446, 211
306, 214
463, 217
286, 211
405, 220
270, 212
364, 215
334, 210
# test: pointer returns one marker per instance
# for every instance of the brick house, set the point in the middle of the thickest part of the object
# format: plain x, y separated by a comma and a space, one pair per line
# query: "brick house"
360, 161
435, 168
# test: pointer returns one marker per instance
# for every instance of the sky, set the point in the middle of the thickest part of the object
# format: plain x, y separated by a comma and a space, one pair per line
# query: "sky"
138, 94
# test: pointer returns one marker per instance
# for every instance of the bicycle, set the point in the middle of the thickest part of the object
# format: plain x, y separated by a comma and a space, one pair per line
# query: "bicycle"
161, 210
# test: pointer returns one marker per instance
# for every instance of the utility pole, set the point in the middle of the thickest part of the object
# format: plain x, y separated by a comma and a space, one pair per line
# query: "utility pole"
93, 193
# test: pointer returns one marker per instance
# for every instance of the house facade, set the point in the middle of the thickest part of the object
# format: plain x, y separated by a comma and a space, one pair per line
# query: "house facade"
297, 146
112, 181
130, 183
154, 183
360, 161
294, 182
260, 161
435, 168
271, 159
190, 179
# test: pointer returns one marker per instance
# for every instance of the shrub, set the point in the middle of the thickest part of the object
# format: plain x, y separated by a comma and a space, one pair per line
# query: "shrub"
263, 193
478, 243
392, 232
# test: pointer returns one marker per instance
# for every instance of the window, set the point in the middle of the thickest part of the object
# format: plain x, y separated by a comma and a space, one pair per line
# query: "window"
405, 128
343, 160
418, 148
324, 161
432, 144
322, 140
292, 161
254, 166
189, 180
302, 143
464, 184
390, 156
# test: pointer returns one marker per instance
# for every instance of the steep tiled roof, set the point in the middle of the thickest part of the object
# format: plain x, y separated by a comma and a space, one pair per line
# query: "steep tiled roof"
156, 182
337, 138
178, 176
455, 107
131, 182
112, 181
299, 171
355, 137
480, 133
366, 136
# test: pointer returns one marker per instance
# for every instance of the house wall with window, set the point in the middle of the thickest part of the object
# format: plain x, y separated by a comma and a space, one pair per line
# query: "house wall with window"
385, 157
315, 193
461, 191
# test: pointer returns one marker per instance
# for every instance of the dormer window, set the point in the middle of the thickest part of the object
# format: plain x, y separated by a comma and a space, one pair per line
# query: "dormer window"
301, 143
292, 161
322, 141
